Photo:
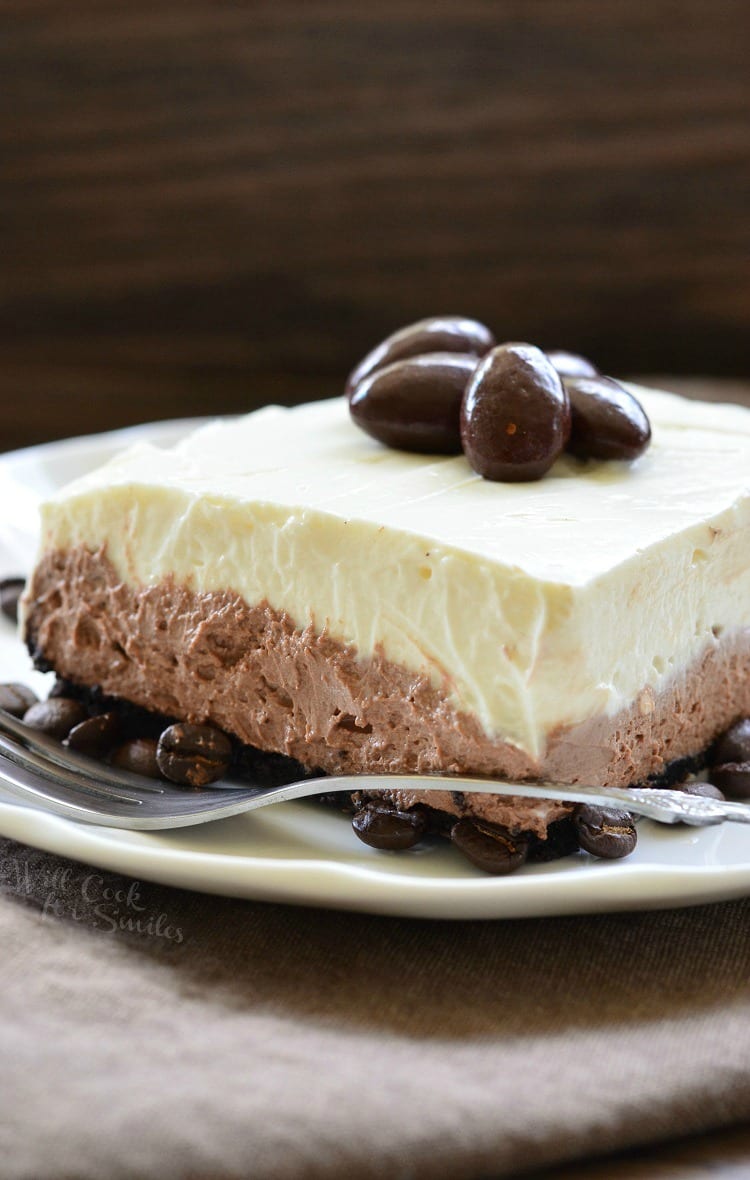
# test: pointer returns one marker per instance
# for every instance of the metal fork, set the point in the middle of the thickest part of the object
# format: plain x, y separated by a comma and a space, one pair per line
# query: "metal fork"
37, 771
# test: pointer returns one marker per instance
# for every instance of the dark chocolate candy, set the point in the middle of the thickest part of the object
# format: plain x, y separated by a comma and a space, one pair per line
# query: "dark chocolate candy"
570, 364
607, 421
415, 404
515, 417
442, 333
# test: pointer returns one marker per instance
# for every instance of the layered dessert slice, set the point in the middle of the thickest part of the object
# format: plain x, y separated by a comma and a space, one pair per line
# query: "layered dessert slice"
290, 580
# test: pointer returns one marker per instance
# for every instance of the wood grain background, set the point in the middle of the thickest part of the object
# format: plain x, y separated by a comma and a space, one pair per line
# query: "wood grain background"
204, 206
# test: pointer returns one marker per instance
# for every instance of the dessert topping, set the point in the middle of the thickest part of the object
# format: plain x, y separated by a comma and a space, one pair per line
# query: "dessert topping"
444, 333
571, 364
521, 407
415, 404
515, 416
607, 422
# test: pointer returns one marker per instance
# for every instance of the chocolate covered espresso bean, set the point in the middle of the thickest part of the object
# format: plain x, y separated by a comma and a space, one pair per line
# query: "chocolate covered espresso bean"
515, 416
445, 333
570, 364
607, 421
415, 404
193, 755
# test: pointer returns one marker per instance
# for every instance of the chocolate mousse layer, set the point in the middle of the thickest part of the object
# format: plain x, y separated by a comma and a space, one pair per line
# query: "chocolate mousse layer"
249, 670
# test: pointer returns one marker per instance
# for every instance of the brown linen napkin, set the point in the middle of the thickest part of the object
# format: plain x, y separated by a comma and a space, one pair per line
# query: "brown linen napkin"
151, 1031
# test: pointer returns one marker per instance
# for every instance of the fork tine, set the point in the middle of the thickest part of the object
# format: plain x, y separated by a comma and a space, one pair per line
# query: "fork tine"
30, 780
48, 748
56, 774
29, 787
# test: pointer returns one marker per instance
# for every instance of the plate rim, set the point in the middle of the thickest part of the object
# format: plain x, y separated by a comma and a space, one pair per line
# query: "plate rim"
621, 886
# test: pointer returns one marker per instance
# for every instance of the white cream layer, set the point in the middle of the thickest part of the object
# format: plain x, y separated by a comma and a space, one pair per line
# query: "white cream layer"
532, 605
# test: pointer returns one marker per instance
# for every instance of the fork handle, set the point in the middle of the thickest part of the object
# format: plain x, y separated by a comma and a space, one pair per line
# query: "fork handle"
657, 803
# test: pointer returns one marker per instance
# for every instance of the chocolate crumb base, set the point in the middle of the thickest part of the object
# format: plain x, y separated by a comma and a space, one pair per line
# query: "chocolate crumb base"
562, 840
678, 770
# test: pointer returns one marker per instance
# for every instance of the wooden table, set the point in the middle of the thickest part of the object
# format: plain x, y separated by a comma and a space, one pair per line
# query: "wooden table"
210, 205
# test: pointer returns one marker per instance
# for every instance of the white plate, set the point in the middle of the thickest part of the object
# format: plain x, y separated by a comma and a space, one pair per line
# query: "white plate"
305, 854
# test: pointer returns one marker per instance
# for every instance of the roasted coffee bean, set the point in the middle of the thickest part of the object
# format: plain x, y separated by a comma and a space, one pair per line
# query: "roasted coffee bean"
489, 846
193, 755
570, 364
733, 778
415, 404
95, 736
734, 744
444, 333
515, 416
605, 832
137, 756
385, 826
607, 422
16, 699
55, 717
11, 590
702, 790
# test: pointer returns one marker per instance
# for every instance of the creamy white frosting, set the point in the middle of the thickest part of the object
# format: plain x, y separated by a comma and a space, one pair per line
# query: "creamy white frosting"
532, 605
